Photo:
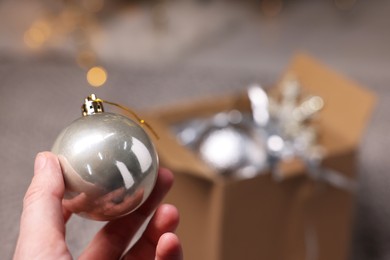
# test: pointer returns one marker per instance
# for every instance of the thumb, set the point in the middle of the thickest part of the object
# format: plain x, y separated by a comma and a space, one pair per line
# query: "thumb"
42, 219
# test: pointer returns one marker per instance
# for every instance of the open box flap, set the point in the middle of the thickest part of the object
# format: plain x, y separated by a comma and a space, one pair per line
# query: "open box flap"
348, 106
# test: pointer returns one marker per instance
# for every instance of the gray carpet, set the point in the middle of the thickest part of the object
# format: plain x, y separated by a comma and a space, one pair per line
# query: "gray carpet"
39, 95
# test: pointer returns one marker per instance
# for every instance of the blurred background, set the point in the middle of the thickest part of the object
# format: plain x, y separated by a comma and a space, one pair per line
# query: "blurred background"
151, 53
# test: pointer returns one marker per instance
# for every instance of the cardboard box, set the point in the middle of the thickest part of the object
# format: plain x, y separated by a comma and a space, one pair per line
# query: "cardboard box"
260, 218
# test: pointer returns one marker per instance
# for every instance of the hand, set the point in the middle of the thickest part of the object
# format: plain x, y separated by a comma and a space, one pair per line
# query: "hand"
42, 226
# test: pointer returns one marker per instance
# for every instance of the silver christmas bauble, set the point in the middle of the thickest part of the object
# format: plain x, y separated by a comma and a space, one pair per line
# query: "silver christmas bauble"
108, 161
228, 142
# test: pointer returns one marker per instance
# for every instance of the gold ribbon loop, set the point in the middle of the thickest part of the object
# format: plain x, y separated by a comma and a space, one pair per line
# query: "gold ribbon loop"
140, 120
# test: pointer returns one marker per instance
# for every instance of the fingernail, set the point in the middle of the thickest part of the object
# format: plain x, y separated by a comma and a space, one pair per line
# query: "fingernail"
40, 161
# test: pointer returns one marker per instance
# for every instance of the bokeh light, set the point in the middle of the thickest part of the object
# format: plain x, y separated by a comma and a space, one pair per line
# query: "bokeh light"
37, 34
96, 76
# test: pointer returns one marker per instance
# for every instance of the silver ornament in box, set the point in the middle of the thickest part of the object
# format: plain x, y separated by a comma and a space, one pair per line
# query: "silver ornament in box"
108, 161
